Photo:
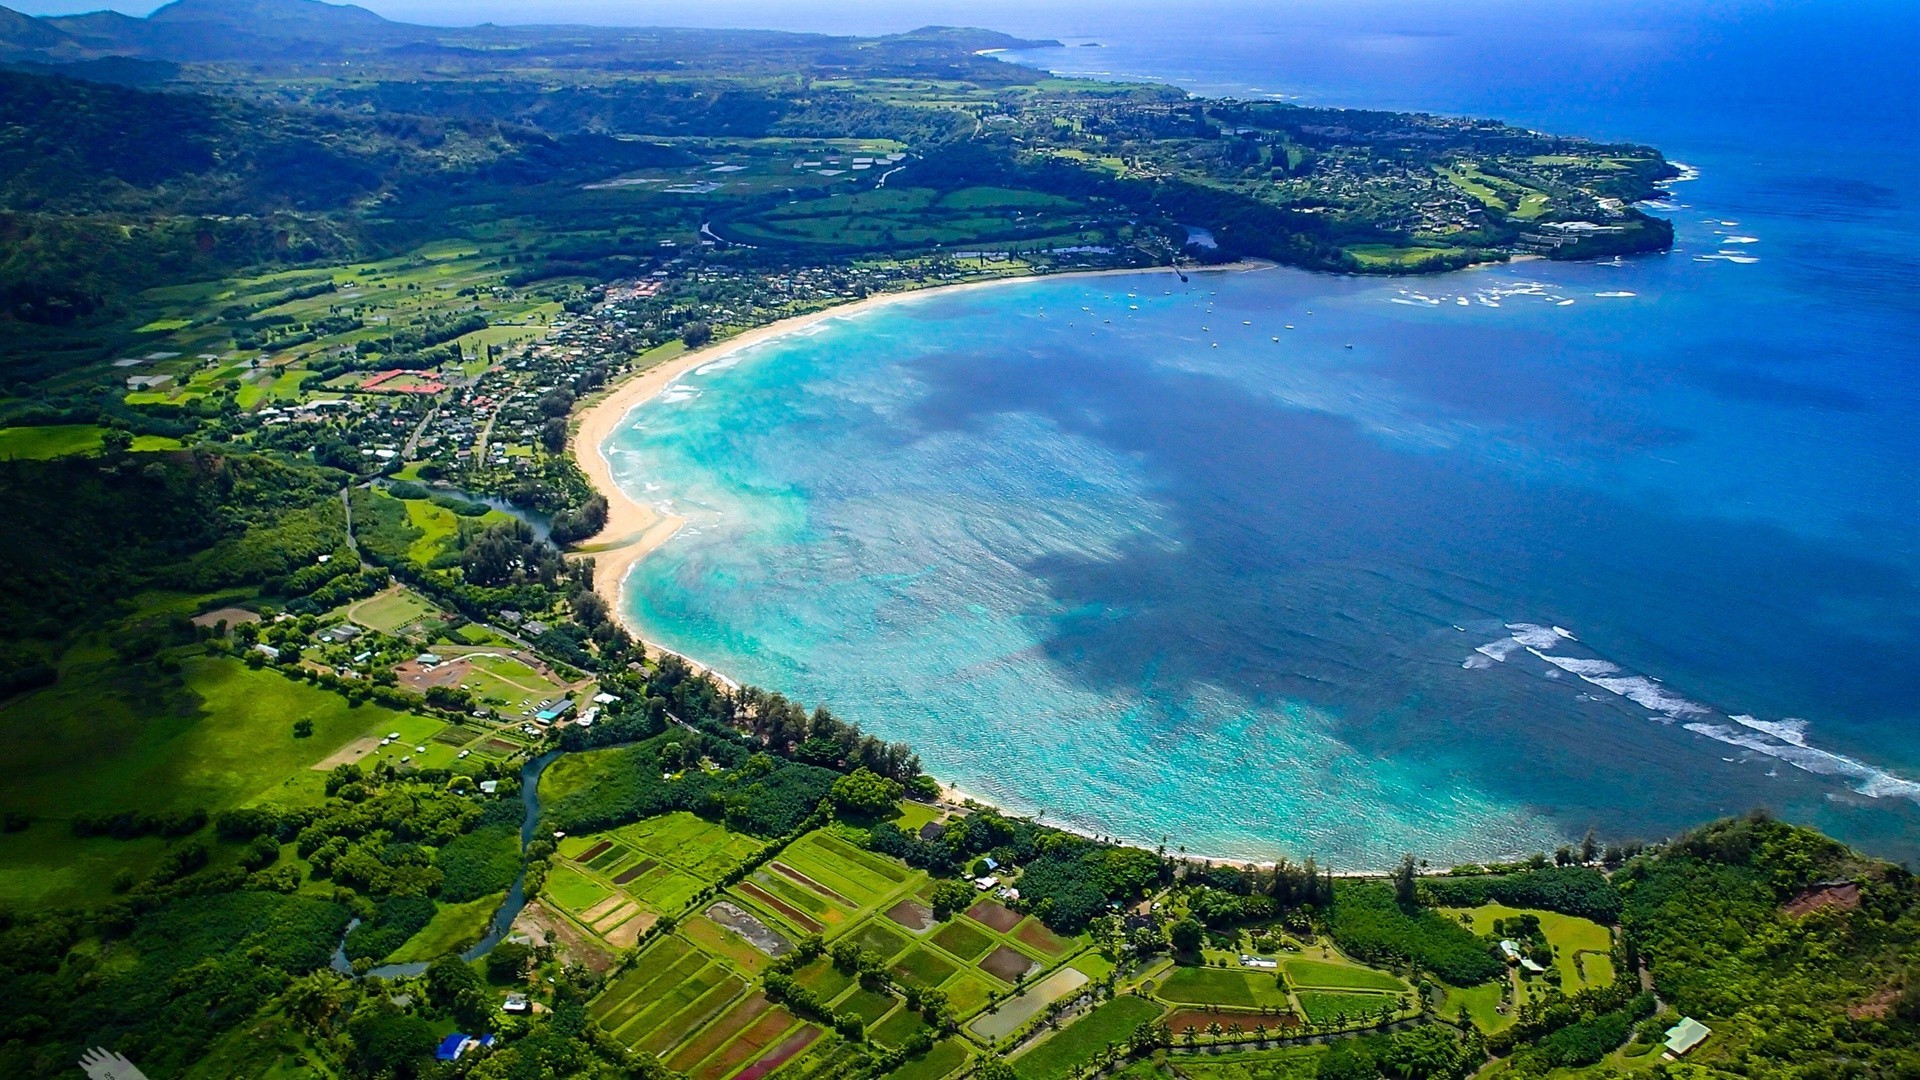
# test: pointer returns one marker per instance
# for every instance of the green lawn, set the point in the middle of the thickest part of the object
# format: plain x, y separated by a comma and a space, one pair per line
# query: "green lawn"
1569, 935
454, 927
1223, 986
1077, 1046
110, 737
390, 610
1323, 975
63, 440
1483, 1005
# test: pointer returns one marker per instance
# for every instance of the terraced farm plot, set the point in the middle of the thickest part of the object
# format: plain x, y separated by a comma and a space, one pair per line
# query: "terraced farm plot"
573, 891
700, 848
895, 1030
793, 916
967, 993
963, 940
810, 884
732, 1022
789, 1048
1008, 964
1076, 1047
746, 1046
861, 878
1033, 932
823, 979
1223, 986
1318, 974
1327, 1006
925, 967
693, 1017
880, 939
1013, 1013
613, 854
816, 906
868, 1005
658, 1010
994, 914
665, 889
644, 983
723, 942
915, 916
938, 1063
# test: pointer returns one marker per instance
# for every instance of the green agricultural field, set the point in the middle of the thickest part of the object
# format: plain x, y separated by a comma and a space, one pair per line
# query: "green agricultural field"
963, 939
64, 440
823, 860
924, 966
868, 1005
1067, 1052
108, 738
1223, 986
881, 939
895, 1030
1327, 1006
695, 845
1319, 974
658, 958
573, 891
938, 1063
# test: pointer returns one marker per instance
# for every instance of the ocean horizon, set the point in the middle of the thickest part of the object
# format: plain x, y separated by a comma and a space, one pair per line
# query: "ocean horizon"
1278, 563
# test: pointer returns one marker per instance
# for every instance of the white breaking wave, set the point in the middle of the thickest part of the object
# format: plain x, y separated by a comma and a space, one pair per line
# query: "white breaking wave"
1868, 780
1537, 637
1784, 740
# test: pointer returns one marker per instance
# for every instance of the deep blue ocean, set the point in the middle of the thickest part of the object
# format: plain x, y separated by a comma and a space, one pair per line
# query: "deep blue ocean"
1548, 547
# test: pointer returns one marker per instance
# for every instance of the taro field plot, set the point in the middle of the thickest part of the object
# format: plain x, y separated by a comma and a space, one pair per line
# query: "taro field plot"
619, 883
694, 999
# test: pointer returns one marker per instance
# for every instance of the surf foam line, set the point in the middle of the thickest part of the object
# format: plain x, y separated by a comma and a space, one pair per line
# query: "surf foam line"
1783, 740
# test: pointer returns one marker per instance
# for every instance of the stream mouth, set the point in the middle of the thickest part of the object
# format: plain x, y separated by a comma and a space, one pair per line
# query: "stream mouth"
510, 909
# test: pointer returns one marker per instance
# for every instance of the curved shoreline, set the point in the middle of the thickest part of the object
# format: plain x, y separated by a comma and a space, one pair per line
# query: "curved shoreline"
635, 530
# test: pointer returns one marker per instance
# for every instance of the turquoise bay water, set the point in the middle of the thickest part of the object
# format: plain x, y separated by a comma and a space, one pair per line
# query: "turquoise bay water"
1276, 597
1291, 597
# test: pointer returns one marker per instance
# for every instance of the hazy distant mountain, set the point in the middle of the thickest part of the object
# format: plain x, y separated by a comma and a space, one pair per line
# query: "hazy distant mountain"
295, 31
23, 35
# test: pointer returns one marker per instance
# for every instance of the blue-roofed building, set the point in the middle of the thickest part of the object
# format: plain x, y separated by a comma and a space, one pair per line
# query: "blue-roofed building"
454, 1045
